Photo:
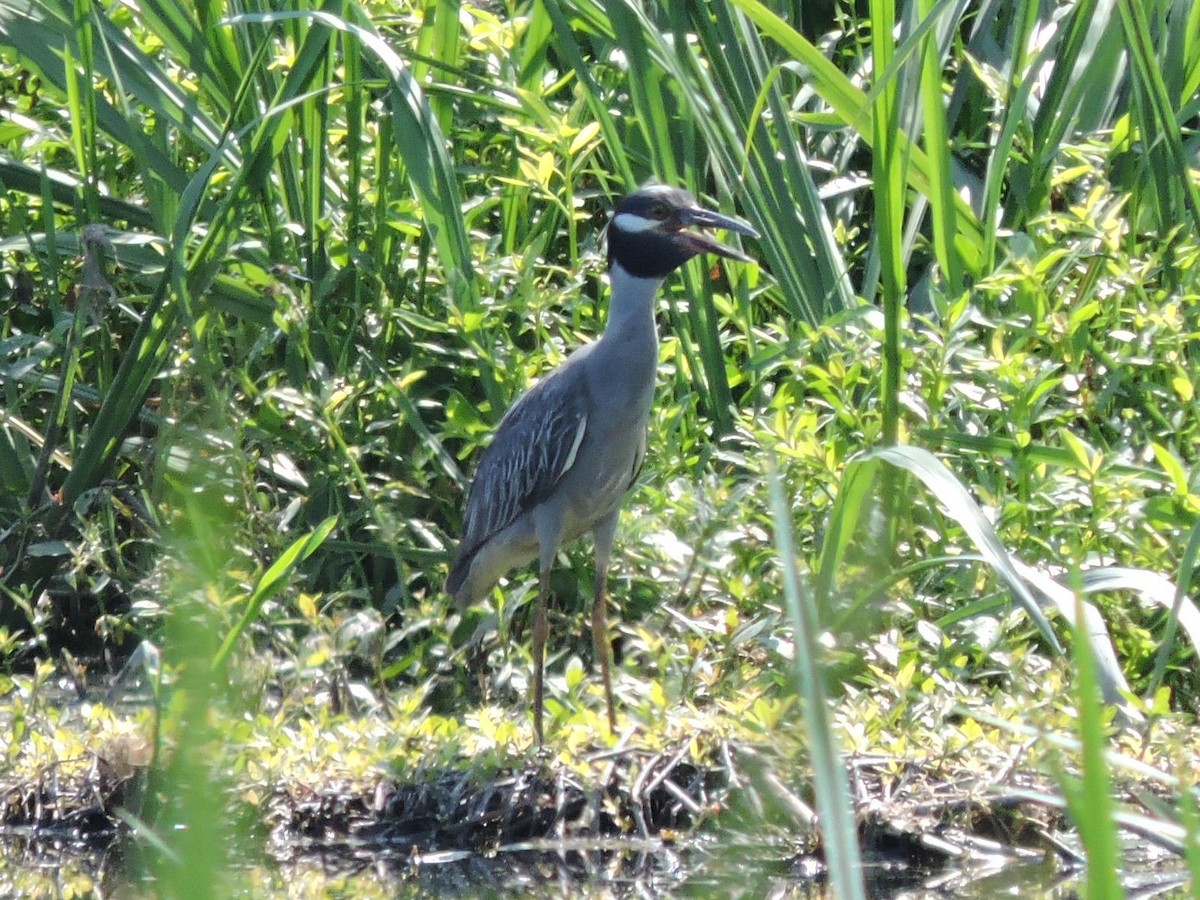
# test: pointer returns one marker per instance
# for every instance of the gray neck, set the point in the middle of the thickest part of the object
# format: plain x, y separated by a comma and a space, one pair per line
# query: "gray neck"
631, 307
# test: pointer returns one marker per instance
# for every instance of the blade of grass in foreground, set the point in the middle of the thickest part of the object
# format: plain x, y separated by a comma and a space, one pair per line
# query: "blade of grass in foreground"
838, 829
1090, 796
1189, 817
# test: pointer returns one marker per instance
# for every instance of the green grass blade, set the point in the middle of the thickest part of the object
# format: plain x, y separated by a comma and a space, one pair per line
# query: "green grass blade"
1189, 818
1175, 188
1113, 685
1090, 798
853, 108
1184, 42
567, 42
774, 176
272, 582
144, 360
126, 392
1180, 605
1019, 88
1064, 92
35, 31
830, 784
957, 502
1152, 589
888, 169
944, 219
418, 139
63, 188
853, 505
954, 498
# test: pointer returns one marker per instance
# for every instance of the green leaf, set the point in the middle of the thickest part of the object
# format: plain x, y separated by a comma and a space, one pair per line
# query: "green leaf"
272, 581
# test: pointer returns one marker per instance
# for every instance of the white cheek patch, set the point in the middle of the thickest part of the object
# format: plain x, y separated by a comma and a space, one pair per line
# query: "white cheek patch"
632, 224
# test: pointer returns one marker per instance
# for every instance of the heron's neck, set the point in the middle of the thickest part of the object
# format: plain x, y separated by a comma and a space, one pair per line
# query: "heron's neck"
631, 306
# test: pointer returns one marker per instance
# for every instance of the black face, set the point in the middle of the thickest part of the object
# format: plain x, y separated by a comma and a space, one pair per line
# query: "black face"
648, 234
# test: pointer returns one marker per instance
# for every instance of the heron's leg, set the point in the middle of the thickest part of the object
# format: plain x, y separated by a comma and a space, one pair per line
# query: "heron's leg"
604, 533
540, 632
549, 532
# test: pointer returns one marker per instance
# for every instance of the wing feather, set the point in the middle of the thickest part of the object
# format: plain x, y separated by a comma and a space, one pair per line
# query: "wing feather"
536, 443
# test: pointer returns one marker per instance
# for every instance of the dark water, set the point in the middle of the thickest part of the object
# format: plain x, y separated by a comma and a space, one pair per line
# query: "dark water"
698, 868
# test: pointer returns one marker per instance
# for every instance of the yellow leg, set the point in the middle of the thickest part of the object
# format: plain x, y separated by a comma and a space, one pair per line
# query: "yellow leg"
603, 647
540, 631
604, 532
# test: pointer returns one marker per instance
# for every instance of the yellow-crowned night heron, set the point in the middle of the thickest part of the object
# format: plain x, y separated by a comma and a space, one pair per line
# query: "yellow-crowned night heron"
567, 452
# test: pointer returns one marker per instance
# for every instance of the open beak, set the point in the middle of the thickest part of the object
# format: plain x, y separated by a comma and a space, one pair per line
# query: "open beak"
701, 242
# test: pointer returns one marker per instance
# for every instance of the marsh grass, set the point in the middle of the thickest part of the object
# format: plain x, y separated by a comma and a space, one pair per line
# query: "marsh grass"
338, 242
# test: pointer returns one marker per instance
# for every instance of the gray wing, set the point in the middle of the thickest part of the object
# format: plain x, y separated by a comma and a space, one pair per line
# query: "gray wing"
535, 445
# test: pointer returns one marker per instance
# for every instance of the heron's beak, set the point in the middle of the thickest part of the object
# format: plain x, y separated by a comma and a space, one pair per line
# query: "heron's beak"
699, 217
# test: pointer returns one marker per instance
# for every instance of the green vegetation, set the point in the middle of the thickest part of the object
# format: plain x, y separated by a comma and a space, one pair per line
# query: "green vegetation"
270, 277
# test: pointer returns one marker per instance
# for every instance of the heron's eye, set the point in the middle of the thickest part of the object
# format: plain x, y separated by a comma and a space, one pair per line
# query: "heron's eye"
660, 211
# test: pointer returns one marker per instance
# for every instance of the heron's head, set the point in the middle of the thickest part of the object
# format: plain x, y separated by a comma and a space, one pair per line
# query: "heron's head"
657, 228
